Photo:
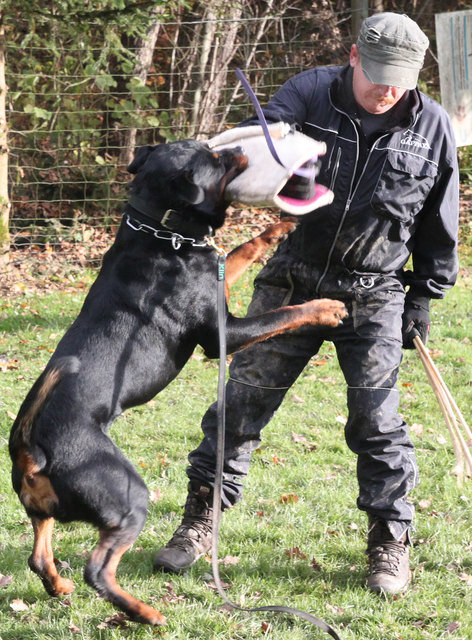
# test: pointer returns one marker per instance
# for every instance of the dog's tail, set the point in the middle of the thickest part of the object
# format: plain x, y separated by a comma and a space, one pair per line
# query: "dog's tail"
40, 392
34, 487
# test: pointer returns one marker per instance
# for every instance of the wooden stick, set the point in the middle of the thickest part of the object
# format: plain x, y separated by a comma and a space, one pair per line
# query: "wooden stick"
450, 410
421, 347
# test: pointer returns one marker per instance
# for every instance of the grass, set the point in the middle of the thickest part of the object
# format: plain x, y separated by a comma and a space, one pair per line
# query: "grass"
297, 536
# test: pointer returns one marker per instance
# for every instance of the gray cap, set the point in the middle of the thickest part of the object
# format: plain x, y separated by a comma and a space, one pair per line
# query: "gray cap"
392, 48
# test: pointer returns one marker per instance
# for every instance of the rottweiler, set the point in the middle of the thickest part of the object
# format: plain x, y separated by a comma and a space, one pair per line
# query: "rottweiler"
153, 302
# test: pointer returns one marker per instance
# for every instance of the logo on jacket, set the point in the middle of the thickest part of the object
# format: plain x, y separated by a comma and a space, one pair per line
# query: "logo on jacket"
411, 139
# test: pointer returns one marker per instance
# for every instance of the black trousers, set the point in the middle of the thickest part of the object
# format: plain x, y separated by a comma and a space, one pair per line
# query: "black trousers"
369, 350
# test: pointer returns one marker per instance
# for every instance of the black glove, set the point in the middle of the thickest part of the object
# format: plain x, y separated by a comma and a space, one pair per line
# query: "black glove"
415, 318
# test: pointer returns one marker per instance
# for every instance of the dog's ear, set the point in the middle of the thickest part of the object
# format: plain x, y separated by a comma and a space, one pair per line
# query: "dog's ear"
140, 158
188, 190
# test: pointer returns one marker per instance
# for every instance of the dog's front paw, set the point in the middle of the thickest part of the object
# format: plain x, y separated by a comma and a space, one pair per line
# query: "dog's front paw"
327, 312
279, 231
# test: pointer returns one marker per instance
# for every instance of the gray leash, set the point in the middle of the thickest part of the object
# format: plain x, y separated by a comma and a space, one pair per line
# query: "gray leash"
218, 485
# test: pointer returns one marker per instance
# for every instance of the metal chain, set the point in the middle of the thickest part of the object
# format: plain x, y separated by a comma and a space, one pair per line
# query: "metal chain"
175, 238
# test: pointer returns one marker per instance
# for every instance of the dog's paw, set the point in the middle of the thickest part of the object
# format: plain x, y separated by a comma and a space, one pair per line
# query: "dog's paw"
279, 231
326, 312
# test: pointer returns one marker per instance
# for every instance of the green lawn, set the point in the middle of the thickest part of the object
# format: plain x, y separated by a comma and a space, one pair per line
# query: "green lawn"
296, 539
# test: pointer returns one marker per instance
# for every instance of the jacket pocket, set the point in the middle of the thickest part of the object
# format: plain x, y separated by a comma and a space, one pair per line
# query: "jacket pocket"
403, 186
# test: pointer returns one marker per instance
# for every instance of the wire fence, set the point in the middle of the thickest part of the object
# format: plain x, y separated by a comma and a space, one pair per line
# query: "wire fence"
76, 112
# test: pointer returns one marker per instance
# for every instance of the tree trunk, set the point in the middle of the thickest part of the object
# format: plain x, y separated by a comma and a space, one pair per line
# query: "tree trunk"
360, 10
224, 52
145, 51
4, 199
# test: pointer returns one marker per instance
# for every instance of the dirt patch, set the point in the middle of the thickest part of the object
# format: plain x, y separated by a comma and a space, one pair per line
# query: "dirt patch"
37, 269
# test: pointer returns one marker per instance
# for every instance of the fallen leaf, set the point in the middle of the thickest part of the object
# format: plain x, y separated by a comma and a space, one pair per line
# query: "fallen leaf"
265, 627
73, 628
295, 552
19, 605
11, 415
341, 419
171, 596
212, 585
287, 498
298, 438
116, 620
465, 577
295, 398
453, 626
277, 460
315, 565
424, 504
5, 580
441, 439
417, 429
155, 495
334, 608
229, 560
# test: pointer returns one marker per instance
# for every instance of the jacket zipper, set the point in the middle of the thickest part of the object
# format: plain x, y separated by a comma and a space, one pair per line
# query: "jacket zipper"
336, 169
352, 191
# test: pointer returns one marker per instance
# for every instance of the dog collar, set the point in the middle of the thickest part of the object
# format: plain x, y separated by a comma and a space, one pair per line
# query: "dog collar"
171, 219
176, 239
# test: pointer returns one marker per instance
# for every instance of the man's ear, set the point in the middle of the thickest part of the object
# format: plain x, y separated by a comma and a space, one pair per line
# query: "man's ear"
354, 55
140, 158
188, 190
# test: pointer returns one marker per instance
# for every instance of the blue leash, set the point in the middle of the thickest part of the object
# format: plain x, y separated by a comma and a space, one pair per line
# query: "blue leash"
304, 172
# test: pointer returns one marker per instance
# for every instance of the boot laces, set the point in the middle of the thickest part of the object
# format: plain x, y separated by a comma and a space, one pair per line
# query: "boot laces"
386, 557
196, 524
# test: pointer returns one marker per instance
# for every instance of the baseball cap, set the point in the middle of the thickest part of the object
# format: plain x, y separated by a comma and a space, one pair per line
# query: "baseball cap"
392, 48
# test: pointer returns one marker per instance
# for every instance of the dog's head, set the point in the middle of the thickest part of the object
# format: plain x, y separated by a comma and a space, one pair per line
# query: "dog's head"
186, 176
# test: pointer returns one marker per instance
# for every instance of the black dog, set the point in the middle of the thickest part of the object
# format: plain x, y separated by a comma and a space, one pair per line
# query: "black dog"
152, 303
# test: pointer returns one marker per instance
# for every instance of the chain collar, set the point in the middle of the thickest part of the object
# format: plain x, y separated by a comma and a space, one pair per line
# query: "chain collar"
176, 239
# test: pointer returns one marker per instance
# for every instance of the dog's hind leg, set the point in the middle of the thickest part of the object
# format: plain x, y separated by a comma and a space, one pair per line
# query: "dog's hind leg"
100, 573
41, 561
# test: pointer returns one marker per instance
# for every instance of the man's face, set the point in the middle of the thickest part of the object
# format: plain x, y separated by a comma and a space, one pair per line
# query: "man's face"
374, 98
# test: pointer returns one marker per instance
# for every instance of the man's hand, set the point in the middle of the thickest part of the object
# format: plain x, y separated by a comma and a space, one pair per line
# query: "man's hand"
416, 318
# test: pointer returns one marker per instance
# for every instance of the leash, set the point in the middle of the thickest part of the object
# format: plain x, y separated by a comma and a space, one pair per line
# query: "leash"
218, 485
310, 172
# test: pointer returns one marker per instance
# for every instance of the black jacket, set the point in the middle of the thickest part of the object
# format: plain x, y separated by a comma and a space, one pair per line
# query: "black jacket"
395, 196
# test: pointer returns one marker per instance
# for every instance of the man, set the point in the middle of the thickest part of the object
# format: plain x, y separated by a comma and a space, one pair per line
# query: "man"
391, 163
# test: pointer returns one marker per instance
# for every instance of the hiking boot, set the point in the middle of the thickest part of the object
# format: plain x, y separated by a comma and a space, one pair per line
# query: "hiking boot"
389, 566
192, 539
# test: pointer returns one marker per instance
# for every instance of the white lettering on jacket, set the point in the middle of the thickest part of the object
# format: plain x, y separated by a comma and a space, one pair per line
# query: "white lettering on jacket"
411, 139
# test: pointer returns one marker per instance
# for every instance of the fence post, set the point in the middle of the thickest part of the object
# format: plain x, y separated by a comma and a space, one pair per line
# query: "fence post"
360, 10
4, 199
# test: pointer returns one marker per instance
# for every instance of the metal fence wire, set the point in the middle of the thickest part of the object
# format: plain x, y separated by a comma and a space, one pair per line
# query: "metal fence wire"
78, 108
